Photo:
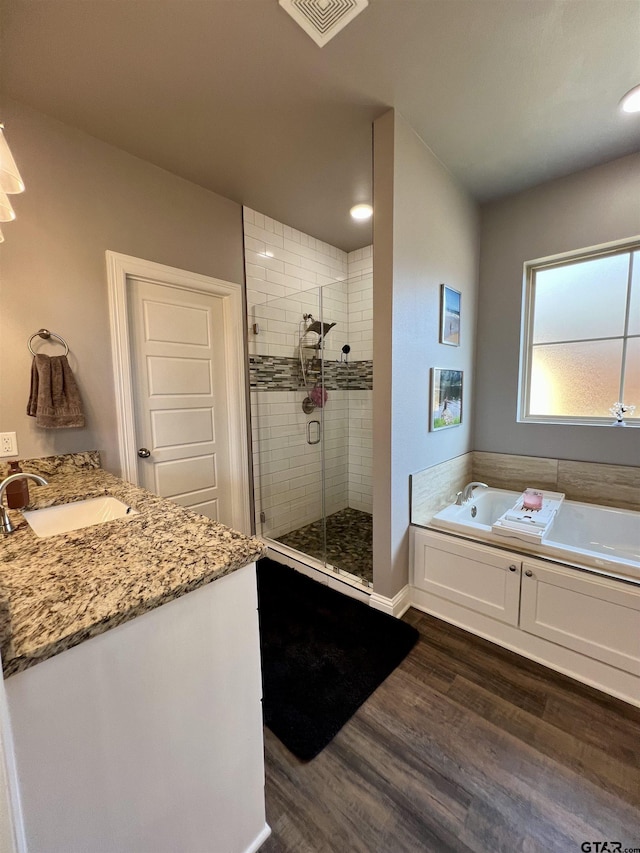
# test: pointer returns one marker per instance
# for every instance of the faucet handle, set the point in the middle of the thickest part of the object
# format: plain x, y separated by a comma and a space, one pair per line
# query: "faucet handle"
6, 526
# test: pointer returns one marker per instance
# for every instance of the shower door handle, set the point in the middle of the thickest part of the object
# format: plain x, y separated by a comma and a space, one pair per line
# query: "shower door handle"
317, 431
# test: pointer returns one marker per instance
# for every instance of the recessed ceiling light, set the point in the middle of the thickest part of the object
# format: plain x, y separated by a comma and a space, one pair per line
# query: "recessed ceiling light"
361, 211
631, 101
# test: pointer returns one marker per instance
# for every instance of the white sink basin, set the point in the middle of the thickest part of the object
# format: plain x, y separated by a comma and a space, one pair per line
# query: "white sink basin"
74, 516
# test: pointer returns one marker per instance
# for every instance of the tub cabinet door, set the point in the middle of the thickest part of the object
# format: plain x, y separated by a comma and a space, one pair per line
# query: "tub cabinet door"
485, 580
592, 615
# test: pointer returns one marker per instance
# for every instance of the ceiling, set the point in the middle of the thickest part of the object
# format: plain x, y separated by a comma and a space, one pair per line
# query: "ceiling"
233, 95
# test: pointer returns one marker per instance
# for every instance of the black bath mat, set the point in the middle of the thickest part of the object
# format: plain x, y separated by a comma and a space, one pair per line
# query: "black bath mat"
323, 654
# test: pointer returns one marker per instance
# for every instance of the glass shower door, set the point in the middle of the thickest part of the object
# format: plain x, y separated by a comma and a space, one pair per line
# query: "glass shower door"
311, 401
287, 409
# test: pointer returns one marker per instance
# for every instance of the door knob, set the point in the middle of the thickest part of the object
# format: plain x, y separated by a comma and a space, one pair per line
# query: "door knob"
529, 574
143, 453
513, 568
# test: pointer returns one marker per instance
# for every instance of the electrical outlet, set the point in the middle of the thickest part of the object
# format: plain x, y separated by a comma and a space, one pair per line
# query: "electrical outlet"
8, 444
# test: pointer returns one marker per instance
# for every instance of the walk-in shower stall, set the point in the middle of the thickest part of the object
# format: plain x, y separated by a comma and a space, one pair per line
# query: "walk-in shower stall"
311, 373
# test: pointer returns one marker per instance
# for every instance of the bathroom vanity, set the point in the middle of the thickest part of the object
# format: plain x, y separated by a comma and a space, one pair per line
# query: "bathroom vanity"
130, 710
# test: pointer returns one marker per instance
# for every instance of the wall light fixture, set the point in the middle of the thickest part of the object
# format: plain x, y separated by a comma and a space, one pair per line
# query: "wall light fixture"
10, 181
630, 103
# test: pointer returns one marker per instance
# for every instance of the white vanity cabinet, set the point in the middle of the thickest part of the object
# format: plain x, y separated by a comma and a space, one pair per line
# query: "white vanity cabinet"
579, 623
146, 738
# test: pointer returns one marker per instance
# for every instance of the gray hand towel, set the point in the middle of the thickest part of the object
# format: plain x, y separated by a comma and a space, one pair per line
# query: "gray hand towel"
54, 398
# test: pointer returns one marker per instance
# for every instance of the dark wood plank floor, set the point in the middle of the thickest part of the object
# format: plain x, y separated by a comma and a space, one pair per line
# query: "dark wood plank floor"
465, 747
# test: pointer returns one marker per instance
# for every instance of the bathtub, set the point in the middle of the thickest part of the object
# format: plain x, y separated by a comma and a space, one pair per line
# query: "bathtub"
596, 537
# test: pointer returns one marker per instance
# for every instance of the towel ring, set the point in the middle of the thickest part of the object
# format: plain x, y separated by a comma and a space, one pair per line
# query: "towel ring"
46, 334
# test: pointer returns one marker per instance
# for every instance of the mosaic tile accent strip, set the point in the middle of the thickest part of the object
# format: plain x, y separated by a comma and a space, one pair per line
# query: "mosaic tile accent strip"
273, 373
349, 542
280, 373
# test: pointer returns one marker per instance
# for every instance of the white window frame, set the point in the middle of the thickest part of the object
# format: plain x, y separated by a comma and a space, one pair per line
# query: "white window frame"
629, 244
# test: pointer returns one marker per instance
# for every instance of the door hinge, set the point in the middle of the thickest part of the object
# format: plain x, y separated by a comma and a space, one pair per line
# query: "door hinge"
263, 516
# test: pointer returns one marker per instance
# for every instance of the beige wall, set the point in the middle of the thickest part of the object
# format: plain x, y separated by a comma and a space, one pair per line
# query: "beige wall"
82, 198
425, 233
585, 209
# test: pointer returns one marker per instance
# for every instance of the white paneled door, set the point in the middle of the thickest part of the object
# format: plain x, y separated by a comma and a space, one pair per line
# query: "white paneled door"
179, 373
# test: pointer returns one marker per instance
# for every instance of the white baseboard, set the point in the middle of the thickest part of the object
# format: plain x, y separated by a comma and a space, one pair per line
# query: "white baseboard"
257, 843
395, 606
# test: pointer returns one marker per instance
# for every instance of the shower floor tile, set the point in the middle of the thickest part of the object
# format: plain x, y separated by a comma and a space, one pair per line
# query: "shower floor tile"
349, 542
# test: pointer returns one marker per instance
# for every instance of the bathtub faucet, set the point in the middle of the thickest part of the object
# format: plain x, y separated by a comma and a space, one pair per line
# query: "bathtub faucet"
467, 493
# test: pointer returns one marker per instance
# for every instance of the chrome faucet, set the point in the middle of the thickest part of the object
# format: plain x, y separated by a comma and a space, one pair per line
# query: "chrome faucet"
467, 493
5, 522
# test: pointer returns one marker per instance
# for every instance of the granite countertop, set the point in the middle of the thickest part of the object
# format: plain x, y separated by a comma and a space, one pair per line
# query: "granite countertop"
58, 591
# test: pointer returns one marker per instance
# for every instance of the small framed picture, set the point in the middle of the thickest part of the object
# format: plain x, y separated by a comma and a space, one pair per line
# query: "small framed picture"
450, 316
446, 398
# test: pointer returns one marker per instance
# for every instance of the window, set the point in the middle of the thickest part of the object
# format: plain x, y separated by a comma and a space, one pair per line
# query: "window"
581, 336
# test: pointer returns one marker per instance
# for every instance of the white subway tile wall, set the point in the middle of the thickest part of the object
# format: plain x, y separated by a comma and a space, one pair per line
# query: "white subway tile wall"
360, 309
285, 270
301, 261
360, 451
287, 470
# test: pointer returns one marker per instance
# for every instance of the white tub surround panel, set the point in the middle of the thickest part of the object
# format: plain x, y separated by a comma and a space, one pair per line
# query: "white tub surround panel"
578, 623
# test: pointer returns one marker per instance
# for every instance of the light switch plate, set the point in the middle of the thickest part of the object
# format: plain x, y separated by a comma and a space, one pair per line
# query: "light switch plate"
8, 444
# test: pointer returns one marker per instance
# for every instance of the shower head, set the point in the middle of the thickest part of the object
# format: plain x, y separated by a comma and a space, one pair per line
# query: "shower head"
320, 328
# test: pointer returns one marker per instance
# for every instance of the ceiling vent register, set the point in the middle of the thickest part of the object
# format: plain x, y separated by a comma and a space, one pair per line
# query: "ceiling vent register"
323, 19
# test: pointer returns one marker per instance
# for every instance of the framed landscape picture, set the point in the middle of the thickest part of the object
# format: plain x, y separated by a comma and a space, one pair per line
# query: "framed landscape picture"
450, 300
446, 398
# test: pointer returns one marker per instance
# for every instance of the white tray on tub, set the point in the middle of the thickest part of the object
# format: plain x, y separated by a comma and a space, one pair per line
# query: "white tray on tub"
529, 525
